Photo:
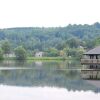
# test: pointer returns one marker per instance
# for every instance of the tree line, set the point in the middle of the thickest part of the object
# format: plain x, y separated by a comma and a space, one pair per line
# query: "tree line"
71, 40
6, 49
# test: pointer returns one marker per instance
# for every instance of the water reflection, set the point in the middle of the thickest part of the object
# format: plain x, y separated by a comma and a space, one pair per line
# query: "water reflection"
91, 72
49, 74
10, 63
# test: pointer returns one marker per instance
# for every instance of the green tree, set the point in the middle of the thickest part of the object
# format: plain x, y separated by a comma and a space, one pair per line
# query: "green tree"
80, 52
6, 47
97, 41
73, 42
20, 53
66, 50
1, 54
90, 44
52, 52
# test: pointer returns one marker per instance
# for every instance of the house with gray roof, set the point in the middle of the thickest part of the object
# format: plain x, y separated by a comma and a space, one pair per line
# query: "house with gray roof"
91, 56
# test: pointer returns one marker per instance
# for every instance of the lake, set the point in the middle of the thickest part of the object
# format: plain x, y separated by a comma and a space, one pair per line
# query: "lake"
42, 80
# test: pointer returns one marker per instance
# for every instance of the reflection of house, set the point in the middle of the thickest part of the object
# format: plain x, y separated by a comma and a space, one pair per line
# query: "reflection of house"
92, 56
91, 66
38, 63
90, 74
39, 54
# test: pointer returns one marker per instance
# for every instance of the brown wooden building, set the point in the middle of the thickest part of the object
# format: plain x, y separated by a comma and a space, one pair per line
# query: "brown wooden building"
92, 56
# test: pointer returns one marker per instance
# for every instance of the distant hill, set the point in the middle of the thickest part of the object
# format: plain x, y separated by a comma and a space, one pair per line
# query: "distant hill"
44, 38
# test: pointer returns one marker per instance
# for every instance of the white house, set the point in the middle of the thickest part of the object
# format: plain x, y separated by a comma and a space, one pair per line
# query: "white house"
9, 55
38, 54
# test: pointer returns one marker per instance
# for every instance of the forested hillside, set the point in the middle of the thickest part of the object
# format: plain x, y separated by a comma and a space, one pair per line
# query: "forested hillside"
54, 39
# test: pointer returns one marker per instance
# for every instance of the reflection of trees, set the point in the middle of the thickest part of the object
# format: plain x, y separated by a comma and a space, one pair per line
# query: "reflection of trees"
21, 63
91, 73
49, 74
10, 63
6, 63
43, 78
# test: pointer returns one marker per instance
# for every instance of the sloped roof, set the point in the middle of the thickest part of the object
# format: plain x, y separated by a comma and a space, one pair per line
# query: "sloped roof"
93, 51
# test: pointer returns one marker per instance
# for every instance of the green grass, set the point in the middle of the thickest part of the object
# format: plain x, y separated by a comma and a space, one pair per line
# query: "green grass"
46, 58
9, 58
42, 58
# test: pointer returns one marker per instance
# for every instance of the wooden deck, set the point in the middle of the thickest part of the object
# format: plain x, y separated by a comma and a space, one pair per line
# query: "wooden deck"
90, 61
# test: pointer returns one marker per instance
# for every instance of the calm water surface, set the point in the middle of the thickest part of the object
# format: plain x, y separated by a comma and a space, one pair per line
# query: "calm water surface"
46, 81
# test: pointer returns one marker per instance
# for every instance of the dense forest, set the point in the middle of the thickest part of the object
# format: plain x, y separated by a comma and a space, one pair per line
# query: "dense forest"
58, 41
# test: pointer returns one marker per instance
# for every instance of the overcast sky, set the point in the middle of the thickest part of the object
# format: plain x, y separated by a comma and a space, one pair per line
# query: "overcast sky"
48, 13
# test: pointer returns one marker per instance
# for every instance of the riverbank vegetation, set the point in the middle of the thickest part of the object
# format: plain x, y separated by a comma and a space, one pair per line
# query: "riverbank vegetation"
61, 42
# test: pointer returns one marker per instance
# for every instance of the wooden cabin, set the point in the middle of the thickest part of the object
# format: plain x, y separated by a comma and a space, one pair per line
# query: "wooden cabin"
92, 56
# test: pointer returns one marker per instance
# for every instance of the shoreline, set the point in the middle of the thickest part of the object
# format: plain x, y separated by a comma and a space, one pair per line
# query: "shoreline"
42, 58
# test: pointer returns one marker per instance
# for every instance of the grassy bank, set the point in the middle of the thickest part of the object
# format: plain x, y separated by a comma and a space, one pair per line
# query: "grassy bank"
42, 58
37, 58
46, 58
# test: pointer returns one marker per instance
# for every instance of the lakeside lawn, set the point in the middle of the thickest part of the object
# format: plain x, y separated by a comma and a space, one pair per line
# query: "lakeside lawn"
42, 58
38, 58
46, 58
